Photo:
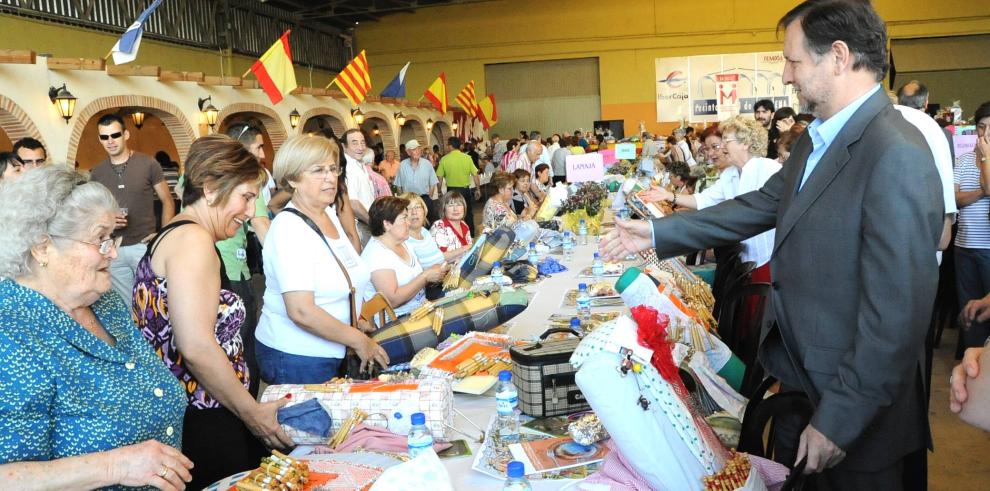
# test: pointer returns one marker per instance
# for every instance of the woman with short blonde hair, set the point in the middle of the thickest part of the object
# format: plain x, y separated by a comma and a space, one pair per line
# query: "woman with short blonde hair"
307, 318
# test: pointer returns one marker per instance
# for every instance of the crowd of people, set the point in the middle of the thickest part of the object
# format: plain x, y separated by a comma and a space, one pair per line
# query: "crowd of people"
85, 260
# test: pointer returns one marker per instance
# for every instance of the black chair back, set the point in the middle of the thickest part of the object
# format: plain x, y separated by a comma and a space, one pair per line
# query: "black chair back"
726, 262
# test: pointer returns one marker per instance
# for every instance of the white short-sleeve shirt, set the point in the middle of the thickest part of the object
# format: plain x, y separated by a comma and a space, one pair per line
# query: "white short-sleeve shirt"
939, 146
297, 260
377, 256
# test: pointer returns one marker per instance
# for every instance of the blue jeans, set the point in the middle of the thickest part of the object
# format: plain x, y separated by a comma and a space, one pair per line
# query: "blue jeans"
972, 283
278, 367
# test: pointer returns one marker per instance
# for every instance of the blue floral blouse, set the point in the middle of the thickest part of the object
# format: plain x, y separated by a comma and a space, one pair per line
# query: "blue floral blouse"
65, 392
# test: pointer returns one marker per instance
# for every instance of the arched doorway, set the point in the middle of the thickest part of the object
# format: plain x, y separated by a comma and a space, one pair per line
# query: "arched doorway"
15, 124
414, 128
440, 133
164, 128
261, 117
378, 128
323, 119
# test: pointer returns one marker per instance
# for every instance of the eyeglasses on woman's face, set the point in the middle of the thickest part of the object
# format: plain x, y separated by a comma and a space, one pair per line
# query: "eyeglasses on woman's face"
324, 171
105, 245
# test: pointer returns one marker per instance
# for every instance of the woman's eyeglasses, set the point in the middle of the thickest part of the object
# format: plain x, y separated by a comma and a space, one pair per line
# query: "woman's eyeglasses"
323, 172
105, 245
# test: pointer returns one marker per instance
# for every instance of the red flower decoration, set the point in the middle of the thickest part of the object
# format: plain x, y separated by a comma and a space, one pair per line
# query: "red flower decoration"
652, 333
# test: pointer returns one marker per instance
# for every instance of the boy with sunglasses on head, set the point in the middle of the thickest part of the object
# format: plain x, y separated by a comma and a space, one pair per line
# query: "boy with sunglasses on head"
134, 179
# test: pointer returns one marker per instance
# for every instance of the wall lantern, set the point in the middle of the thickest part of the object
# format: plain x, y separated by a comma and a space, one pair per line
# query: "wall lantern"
357, 115
374, 130
429, 124
209, 111
400, 119
294, 117
453, 126
138, 118
64, 101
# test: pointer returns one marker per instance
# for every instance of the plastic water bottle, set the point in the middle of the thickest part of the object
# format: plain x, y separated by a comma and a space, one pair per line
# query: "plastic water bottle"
583, 302
568, 245
583, 231
497, 274
420, 439
576, 326
598, 267
506, 401
534, 257
517, 479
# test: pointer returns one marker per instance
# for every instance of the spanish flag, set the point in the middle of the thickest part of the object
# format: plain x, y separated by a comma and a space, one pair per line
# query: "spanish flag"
355, 79
274, 70
466, 99
437, 93
487, 112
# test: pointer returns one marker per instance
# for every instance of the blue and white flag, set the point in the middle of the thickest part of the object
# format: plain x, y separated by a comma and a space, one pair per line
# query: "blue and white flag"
397, 87
125, 51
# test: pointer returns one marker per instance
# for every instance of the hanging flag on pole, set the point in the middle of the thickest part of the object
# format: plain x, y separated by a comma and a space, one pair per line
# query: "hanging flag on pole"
274, 70
466, 99
397, 87
355, 79
487, 112
126, 49
437, 93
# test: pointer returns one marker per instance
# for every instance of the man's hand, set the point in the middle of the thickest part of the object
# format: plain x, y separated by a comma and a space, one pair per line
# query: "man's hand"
967, 369
975, 310
629, 236
820, 451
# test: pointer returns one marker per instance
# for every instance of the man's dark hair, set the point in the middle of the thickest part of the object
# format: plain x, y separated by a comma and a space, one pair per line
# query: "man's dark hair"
764, 104
853, 22
577, 133
243, 132
495, 135
30, 144
540, 168
679, 169
454, 142
982, 112
916, 100
109, 119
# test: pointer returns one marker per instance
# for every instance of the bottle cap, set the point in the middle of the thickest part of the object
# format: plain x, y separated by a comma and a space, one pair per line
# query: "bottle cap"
597, 256
504, 376
582, 286
575, 322
567, 233
627, 279
498, 264
515, 469
532, 245
418, 419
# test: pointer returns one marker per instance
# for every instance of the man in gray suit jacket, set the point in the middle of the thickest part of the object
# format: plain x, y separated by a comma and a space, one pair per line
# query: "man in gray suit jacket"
858, 212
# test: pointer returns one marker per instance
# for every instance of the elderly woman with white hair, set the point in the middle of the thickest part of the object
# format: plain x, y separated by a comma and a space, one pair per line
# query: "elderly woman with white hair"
744, 144
84, 401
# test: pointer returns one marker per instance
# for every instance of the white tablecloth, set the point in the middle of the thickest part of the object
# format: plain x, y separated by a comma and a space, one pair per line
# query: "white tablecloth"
546, 300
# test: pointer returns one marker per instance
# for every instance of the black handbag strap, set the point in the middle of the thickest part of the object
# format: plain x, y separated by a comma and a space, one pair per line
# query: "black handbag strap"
309, 221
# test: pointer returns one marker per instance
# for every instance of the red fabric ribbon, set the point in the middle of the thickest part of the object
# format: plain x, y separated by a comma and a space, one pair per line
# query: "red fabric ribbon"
652, 333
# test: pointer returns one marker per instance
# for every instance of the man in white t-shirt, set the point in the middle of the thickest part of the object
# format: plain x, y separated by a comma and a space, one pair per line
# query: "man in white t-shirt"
359, 186
912, 100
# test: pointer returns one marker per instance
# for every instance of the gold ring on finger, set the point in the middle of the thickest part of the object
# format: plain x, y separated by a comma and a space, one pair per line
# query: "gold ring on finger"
164, 472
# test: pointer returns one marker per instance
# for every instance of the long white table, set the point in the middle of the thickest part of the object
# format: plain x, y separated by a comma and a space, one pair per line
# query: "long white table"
546, 300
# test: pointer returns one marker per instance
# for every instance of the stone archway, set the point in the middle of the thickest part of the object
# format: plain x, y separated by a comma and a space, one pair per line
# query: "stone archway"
335, 119
267, 116
384, 122
177, 125
418, 128
16, 123
441, 128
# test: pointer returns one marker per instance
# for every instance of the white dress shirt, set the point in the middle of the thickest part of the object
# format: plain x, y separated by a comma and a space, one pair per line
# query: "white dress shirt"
359, 185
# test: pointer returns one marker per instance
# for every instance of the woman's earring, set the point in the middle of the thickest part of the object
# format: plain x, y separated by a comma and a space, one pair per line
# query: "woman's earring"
44, 264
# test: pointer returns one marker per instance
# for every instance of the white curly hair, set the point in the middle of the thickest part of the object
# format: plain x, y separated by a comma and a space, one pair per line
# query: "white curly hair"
48, 201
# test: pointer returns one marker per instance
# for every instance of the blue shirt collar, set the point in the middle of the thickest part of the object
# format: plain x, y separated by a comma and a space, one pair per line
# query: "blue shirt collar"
824, 132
